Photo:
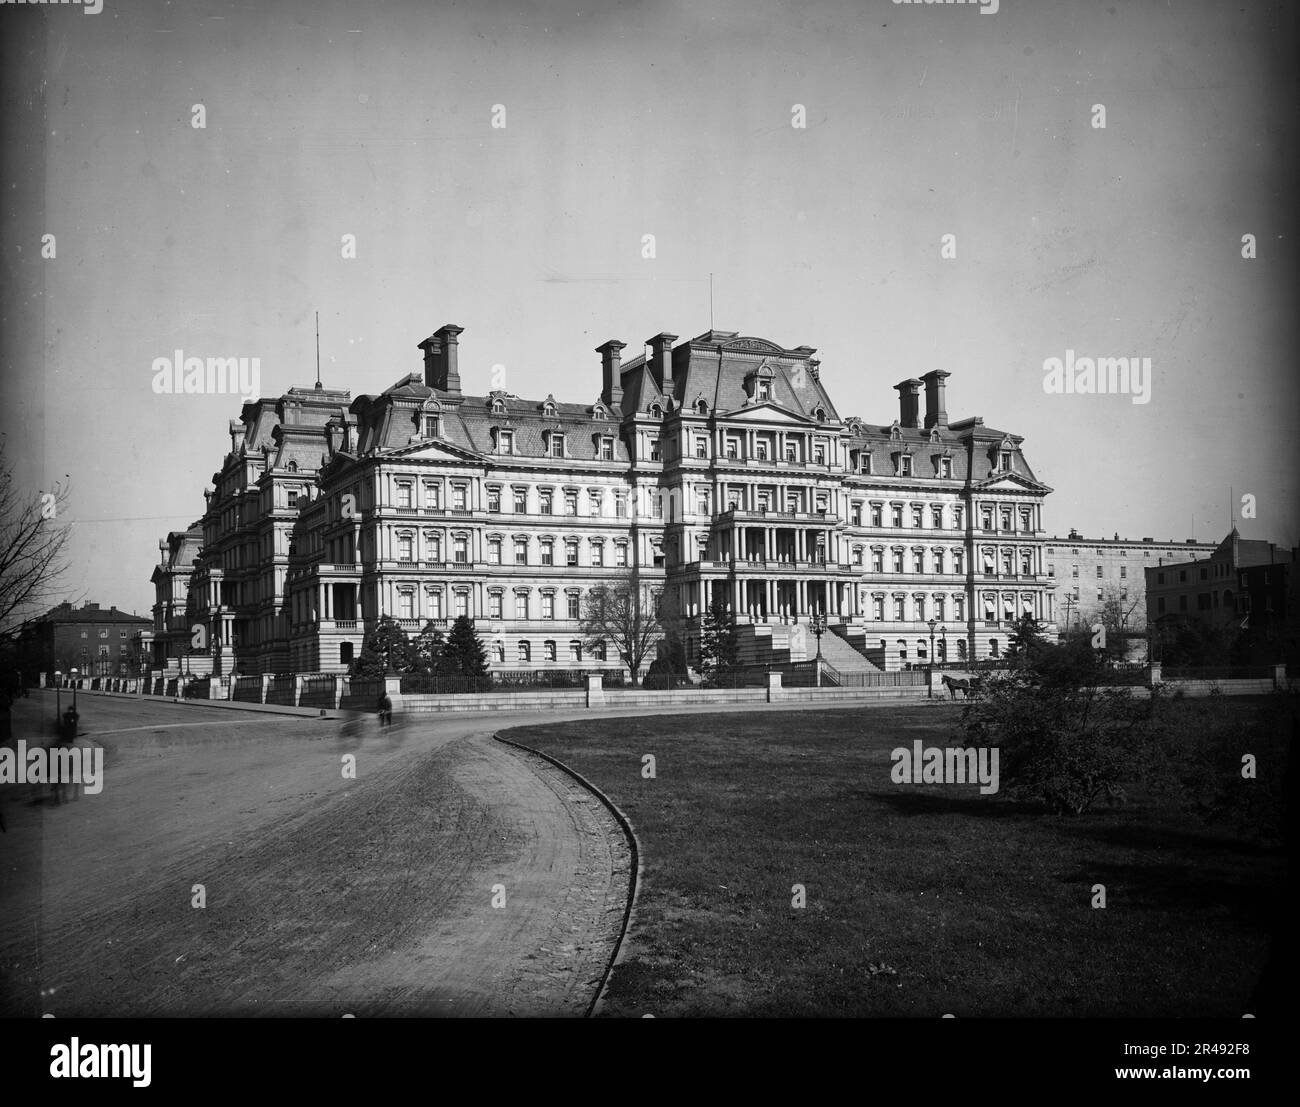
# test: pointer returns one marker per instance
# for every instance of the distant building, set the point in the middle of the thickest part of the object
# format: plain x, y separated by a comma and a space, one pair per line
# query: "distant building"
1243, 582
1105, 576
95, 640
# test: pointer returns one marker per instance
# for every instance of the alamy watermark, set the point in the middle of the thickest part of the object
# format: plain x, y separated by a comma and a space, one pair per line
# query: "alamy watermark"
952, 765
1086, 376
92, 7
82, 765
178, 374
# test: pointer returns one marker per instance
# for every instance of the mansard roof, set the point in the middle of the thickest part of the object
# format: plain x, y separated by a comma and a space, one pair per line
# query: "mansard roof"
390, 421
716, 365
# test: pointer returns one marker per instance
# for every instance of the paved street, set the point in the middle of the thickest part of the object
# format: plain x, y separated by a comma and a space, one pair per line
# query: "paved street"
324, 895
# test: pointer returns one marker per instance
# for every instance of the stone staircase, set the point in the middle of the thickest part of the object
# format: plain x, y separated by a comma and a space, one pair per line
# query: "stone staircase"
782, 643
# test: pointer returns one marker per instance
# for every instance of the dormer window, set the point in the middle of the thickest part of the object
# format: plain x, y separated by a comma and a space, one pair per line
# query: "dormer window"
498, 407
548, 408
605, 448
764, 390
945, 468
819, 413
505, 441
655, 455
905, 465
431, 427
701, 406
555, 444
1004, 460
656, 410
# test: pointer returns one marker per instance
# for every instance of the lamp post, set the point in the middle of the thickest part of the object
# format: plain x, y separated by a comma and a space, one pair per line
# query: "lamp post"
73, 674
58, 694
819, 628
929, 680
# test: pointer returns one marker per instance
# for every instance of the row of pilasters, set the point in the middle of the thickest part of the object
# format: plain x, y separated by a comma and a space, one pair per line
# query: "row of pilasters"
763, 543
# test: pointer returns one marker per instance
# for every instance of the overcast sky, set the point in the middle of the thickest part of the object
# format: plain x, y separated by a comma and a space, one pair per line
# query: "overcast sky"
667, 119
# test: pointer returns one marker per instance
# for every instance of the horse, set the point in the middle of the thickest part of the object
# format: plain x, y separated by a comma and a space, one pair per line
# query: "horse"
952, 686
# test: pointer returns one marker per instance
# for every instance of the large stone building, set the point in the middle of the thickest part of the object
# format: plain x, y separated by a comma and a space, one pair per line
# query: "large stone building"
1102, 579
1218, 588
718, 468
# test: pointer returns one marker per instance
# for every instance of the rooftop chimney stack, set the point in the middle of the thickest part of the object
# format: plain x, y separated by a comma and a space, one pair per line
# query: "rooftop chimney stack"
909, 404
611, 372
441, 370
935, 413
661, 362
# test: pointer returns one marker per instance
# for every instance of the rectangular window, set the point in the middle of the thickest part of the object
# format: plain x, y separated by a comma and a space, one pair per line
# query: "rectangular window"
494, 605
548, 651
524, 652
654, 450
620, 504
521, 605
404, 547
434, 600
575, 605
733, 448
570, 503
762, 449
936, 516
1123, 572
460, 550
857, 555
819, 455
701, 503
404, 490
898, 561
945, 468
620, 554
855, 515
431, 426
905, 465
557, 444
598, 553
877, 513
896, 515
462, 604
432, 497
521, 501
899, 613
1099, 572
571, 551
548, 552
406, 605
878, 607
606, 449
548, 606
546, 497
494, 499
701, 447
494, 551
918, 519
505, 442
877, 561
521, 551
918, 562
1024, 519
1005, 460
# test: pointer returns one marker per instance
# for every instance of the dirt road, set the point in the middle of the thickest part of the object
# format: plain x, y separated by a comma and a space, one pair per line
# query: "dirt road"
323, 894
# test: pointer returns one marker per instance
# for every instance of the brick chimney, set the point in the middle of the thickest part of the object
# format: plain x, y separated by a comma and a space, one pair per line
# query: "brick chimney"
661, 361
909, 403
935, 413
440, 363
611, 388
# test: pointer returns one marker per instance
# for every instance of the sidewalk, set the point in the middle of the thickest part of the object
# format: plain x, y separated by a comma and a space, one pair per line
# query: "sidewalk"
224, 705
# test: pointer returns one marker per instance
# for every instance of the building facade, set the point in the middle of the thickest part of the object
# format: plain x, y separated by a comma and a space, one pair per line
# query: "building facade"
1103, 579
718, 469
1217, 588
97, 641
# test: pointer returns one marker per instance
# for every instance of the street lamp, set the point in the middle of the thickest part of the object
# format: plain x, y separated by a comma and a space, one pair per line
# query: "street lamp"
73, 674
58, 695
931, 623
819, 628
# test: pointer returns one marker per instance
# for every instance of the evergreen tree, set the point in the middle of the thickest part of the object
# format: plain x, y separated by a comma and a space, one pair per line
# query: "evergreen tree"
464, 654
428, 650
719, 644
386, 650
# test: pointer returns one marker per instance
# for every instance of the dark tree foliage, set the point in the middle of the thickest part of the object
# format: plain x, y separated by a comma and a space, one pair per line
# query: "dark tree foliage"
386, 651
464, 655
719, 644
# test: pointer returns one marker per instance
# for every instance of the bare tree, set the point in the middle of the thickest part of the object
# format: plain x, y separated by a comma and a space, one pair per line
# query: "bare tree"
625, 612
31, 549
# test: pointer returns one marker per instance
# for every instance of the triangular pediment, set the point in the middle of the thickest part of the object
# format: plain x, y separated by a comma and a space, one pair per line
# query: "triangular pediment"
430, 450
1010, 482
768, 412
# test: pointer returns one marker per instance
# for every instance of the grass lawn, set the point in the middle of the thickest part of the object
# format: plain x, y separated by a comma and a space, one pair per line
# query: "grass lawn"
921, 899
